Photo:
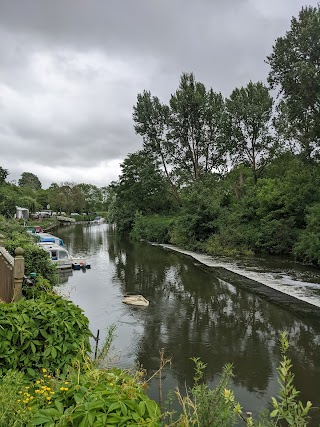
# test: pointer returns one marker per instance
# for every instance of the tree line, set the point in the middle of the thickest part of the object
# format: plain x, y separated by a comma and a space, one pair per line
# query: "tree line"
62, 197
237, 174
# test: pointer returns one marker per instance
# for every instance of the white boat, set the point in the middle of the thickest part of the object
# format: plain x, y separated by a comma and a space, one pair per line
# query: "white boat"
58, 255
49, 238
98, 220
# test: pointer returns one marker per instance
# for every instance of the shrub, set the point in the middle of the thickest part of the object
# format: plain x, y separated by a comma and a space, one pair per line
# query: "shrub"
48, 331
35, 258
307, 248
93, 398
152, 228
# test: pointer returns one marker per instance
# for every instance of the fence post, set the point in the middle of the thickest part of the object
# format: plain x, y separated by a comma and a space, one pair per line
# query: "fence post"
18, 273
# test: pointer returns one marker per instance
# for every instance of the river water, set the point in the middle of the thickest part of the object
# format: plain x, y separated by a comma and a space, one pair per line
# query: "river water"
192, 313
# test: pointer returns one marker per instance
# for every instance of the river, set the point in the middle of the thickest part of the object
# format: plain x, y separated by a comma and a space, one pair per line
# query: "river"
193, 313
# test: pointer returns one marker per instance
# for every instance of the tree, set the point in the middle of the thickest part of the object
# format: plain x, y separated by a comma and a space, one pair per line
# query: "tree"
295, 68
141, 188
67, 197
248, 115
93, 196
184, 136
3, 175
151, 119
30, 180
195, 129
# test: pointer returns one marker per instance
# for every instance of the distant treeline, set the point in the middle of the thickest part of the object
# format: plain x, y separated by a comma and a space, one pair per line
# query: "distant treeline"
63, 197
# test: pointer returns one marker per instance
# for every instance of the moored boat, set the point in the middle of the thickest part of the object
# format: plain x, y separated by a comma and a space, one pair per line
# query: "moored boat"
58, 255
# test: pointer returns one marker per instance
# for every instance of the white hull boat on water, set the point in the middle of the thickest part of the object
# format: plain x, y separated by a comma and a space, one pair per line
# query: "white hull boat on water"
61, 257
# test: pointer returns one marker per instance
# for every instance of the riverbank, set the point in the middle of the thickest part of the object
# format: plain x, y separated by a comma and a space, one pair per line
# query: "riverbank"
303, 306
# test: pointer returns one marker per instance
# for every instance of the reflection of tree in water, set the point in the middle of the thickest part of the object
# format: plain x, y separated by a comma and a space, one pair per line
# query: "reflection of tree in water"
194, 314
84, 239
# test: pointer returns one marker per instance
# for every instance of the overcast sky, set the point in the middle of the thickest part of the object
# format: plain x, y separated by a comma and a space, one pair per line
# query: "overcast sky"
70, 72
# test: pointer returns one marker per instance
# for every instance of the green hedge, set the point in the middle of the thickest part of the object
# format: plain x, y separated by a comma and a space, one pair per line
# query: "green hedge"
45, 332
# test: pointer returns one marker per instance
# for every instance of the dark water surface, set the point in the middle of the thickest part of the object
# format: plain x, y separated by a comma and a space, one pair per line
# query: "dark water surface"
191, 313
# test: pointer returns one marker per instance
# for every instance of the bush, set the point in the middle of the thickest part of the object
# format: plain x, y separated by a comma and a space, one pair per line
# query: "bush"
152, 228
307, 248
35, 258
48, 331
217, 245
93, 398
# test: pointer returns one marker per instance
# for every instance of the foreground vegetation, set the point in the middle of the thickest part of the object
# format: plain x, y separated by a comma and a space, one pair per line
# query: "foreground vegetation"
47, 377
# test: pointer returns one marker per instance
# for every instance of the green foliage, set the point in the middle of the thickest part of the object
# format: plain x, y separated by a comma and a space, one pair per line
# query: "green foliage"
287, 409
152, 228
198, 217
3, 175
12, 412
94, 397
48, 331
294, 72
35, 258
307, 247
202, 406
30, 180
185, 136
248, 115
141, 189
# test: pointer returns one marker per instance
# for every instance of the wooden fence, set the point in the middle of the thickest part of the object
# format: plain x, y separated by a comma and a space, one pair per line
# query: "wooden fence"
11, 274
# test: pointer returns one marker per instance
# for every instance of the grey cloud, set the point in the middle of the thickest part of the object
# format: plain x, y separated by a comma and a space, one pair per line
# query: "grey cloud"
70, 70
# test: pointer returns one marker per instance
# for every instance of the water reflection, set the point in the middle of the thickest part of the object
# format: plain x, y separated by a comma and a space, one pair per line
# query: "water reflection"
191, 313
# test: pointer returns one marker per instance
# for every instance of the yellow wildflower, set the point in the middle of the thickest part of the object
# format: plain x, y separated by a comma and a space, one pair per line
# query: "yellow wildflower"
66, 382
27, 387
29, 408
45, 376
227, 393
20, 392
61, 388
37, 391
44, 370
38, 382
49, 398
19, 401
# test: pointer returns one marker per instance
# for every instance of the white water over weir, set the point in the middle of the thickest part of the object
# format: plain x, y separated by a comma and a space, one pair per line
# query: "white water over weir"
282, 275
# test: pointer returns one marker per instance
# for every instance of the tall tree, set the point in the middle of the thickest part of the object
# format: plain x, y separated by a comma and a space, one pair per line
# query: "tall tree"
185, 136
295, 70
30, 180
151, 119
93, 196
248, 116
3, 175
67, 197
195, 128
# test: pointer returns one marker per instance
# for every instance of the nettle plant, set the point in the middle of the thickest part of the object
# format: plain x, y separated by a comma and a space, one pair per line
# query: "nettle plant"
47, 331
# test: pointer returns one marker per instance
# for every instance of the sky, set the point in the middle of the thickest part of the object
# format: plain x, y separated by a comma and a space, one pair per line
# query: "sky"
70, 72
